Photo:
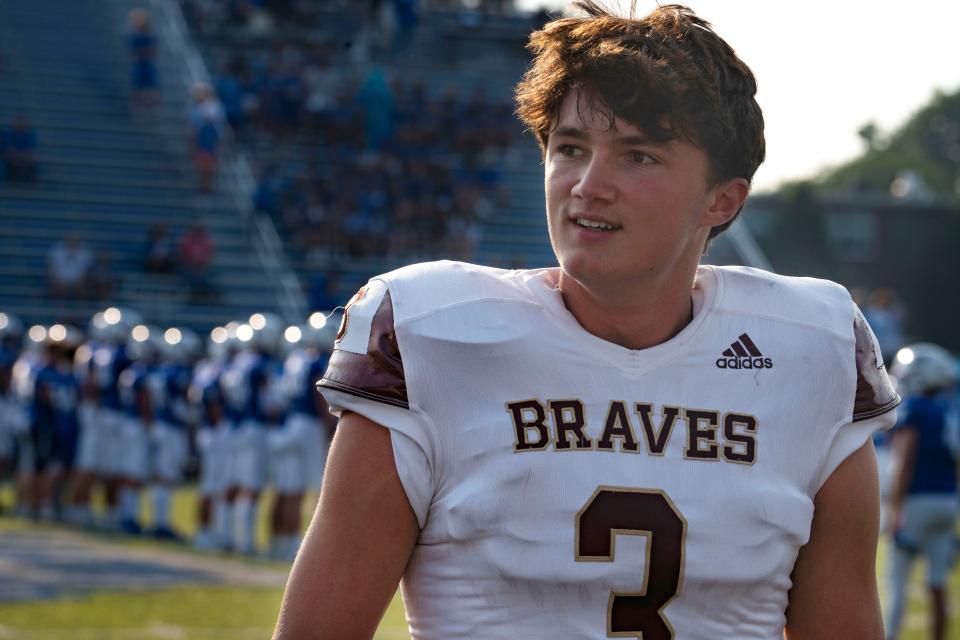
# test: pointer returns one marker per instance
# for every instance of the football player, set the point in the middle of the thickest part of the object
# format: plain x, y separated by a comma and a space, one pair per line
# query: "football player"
629, 444
90, 419
179, 348
922, 506
11, 339
23, 384
142, 396
109, 360
205, 396
298, 449
54, 428
251, 394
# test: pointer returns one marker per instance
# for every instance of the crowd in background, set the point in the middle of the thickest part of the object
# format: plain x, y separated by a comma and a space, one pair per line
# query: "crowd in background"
399, 173
353, 160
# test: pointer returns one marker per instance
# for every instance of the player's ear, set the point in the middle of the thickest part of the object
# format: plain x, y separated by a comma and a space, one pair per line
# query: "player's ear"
728, 199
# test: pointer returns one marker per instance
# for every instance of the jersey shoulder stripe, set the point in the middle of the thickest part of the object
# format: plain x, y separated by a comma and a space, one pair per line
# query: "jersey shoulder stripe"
875, 391
366, 360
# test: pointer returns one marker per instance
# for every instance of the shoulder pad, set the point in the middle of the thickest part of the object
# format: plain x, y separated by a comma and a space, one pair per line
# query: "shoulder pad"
433, 286
810, 301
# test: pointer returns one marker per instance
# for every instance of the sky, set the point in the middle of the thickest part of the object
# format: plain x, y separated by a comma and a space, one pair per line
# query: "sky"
826, 68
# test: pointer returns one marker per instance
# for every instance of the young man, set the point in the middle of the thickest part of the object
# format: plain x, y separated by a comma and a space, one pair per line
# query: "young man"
922, 510
629, 445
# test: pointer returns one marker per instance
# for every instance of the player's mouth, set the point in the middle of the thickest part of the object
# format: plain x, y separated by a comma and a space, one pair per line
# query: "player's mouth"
596, 225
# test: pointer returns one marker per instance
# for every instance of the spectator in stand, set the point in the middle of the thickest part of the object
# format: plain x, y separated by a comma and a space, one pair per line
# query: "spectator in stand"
290, 92
68, 268
18, 146
206, 119
143, 53
159, 254
230, 89
206, 150
377, 103
102, 280
320, 87
407, 20
196, 255
266, 196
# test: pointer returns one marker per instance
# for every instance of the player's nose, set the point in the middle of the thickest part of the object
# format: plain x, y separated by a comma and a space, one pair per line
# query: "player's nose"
594, 181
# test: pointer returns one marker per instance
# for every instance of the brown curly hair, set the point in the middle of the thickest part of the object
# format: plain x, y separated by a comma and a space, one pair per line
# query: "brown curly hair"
668, 73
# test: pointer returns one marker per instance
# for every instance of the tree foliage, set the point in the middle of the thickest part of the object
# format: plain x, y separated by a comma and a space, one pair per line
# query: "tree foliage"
928, 144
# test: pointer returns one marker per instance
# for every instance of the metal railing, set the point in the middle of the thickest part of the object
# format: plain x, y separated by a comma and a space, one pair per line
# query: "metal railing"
172, 28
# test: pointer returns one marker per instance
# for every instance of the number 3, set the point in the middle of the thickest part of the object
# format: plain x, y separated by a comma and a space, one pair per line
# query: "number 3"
645, 512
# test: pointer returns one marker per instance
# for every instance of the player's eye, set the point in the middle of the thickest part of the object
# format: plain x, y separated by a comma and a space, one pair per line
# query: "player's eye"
567, 150
639, 157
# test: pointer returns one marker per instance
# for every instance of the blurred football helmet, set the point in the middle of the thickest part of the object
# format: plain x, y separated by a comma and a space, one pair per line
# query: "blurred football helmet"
923, 367
64, 338
180, 345
11, 331
268, 330
118, 323
97, 328
145, 342
217, 344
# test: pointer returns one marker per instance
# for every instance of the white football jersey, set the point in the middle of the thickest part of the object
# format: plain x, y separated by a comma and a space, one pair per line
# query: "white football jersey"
568, 487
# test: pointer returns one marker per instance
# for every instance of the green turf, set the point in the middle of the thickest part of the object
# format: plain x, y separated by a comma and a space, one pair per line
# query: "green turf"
215, 613
194, 613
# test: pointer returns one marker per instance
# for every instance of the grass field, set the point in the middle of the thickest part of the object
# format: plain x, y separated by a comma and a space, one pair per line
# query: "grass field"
240, 613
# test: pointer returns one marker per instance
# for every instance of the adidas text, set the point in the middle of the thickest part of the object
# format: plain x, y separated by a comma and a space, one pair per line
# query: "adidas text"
744, 363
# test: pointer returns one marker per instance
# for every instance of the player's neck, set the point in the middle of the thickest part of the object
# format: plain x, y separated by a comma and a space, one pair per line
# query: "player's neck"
640, 317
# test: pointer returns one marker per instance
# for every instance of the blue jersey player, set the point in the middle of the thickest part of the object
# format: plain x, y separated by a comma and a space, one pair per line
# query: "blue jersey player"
298, 449
212, 436
142, 397
923, 498
172, 422
54, 428
250, 392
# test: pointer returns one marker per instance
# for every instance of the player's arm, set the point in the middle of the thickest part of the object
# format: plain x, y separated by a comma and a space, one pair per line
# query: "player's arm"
358, 543
834, 592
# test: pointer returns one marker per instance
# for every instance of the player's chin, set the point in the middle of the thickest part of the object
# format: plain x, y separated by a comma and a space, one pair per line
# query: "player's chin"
584, 265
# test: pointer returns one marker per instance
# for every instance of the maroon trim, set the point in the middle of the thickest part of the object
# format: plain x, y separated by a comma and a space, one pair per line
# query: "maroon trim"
375, 375
875, 392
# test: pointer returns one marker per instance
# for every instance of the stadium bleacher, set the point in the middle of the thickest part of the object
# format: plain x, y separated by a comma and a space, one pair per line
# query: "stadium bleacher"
105, 172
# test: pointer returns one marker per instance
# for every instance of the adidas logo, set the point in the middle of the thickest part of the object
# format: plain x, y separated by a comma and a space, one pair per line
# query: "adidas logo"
744, 354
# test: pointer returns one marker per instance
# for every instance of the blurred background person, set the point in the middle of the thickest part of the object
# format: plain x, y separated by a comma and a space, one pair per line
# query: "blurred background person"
143, 53
160, 252
11, 338
196, 253
54, 427
68, 268
922, 508
206, 119
18, 146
